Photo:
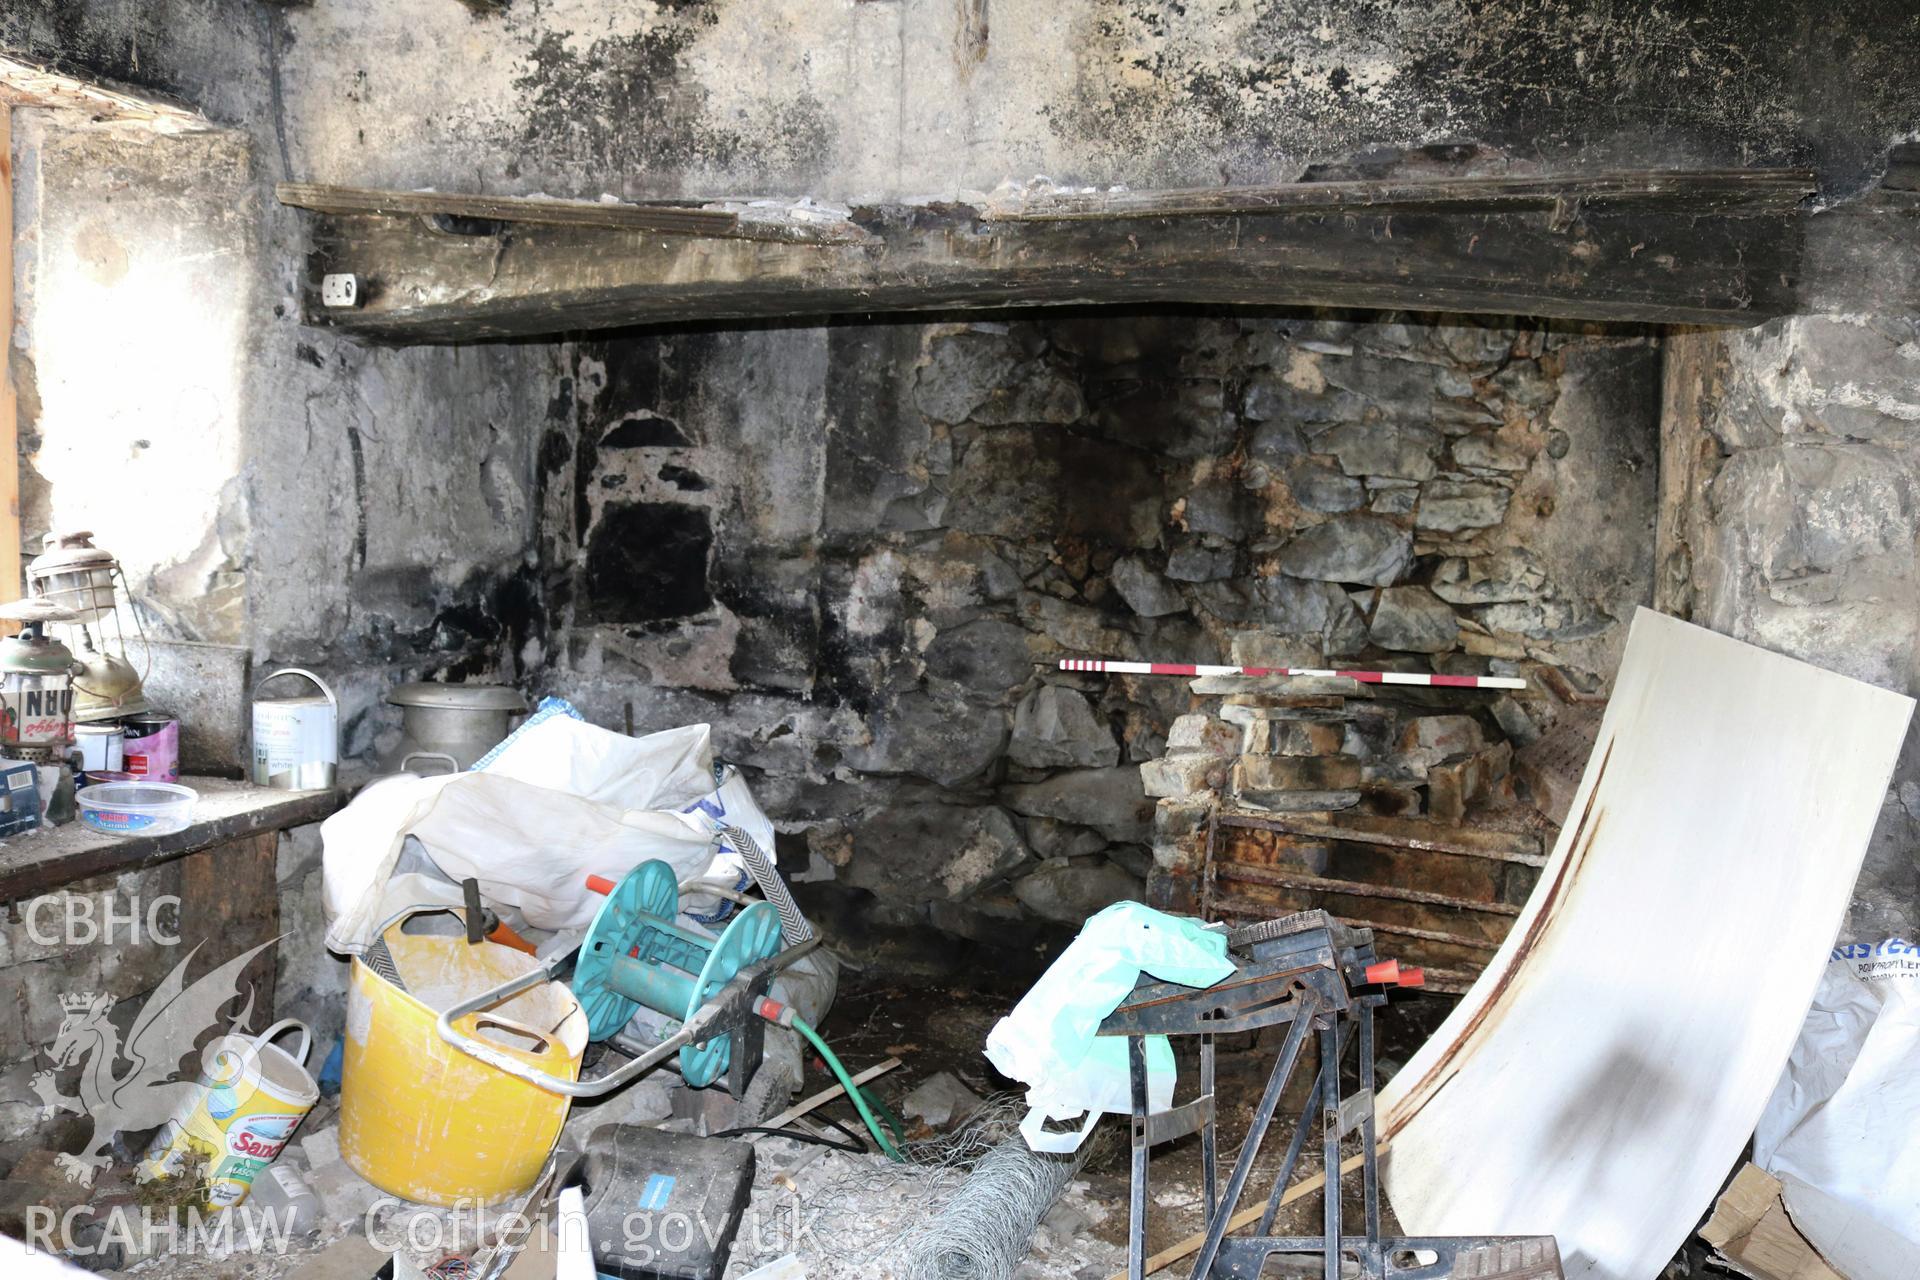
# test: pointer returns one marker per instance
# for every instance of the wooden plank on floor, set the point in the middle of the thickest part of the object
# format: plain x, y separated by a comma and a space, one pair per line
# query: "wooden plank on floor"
1245, 1217
827, 1095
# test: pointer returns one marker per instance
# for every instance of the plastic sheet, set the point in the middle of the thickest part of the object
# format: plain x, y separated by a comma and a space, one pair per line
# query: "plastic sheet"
1840, 1129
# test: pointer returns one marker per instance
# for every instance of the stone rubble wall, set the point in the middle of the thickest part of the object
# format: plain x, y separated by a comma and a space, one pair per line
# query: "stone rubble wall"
860, 551
1790, 460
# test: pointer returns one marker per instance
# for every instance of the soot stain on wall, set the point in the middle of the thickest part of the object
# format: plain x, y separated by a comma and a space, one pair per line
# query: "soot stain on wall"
601, 102
1556, 81
645, 431
904, 525
647, 562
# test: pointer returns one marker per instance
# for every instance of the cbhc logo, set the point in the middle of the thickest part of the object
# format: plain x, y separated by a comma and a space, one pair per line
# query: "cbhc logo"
83, 921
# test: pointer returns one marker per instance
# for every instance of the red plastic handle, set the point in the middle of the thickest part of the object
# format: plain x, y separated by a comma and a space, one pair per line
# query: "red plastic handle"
1383, 971
601, 885
1413, 977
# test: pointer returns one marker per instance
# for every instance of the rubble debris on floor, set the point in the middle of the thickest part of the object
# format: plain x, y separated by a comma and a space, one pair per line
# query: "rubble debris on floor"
940, 1100
865, 1217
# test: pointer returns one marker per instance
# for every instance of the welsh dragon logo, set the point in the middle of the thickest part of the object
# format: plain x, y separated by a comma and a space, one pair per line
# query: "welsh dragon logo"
151, 1089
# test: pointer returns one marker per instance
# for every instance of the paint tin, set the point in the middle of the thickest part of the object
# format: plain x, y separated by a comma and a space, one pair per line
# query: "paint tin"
102, 747
296, 740
151, 749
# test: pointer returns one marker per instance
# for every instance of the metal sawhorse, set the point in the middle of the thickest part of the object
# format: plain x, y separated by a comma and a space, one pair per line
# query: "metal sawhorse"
1315, 974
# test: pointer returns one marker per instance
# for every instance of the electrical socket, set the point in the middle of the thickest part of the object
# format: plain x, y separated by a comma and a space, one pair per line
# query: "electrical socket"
341, 290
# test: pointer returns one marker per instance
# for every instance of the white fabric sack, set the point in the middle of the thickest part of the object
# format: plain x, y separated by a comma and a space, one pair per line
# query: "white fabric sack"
731, 804
1844, 1120
562, 800
533, 848
360, 856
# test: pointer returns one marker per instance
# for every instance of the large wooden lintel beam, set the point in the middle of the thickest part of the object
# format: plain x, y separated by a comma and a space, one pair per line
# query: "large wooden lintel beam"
672, 218
1682, 259
1717, 191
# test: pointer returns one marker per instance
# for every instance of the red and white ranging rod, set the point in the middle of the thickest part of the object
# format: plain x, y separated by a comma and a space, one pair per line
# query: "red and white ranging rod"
1364, 677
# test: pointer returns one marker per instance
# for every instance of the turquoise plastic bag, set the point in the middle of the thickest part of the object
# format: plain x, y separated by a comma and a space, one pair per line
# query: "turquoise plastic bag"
1049, 1043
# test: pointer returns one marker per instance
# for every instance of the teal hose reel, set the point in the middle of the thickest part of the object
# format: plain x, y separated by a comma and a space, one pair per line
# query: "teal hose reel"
636, 954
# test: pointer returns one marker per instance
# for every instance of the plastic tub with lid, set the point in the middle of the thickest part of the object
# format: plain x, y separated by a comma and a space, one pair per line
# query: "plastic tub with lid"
136, 808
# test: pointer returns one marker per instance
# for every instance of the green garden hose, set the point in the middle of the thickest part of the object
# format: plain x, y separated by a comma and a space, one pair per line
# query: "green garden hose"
853, 1090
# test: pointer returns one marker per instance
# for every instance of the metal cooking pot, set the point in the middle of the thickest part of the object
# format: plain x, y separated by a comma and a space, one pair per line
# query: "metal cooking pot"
452, 725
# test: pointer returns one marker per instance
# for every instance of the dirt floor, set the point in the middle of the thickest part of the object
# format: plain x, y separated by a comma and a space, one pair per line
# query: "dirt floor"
943, 1027
940, 1025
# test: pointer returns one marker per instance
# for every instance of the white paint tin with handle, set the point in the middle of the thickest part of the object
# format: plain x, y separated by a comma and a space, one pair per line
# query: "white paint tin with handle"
296, 740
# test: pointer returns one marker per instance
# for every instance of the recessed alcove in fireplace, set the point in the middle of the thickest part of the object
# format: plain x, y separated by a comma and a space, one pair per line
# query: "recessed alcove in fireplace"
862, 549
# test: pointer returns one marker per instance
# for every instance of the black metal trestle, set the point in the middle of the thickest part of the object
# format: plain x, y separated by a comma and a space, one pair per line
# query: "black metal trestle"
1320, 977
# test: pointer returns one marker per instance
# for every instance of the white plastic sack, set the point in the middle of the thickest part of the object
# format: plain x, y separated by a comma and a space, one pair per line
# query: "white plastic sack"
665, 770
1049, 1043
1844, 1119
532, 848
731, 804
558, 801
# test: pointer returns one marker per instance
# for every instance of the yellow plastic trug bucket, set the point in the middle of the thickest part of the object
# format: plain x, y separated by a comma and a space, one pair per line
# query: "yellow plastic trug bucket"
422, 1120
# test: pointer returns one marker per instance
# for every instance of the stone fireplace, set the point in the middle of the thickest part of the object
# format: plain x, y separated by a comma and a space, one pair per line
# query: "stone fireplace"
860, 546
861, 551
832, 373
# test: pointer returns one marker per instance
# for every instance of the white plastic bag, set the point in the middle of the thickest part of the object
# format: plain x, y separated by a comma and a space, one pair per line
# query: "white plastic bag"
1049, 1041
560, 800
1844, 1118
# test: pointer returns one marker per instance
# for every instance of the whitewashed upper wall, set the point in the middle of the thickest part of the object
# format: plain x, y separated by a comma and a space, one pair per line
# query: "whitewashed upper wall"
857, 98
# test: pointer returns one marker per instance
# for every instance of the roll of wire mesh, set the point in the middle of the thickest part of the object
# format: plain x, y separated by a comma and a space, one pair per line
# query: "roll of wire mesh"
983, 1232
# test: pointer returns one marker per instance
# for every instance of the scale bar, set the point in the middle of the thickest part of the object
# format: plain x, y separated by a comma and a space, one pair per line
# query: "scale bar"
1433, 680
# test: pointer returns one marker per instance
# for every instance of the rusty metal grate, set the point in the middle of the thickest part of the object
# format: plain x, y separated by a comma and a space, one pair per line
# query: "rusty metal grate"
1446, 894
